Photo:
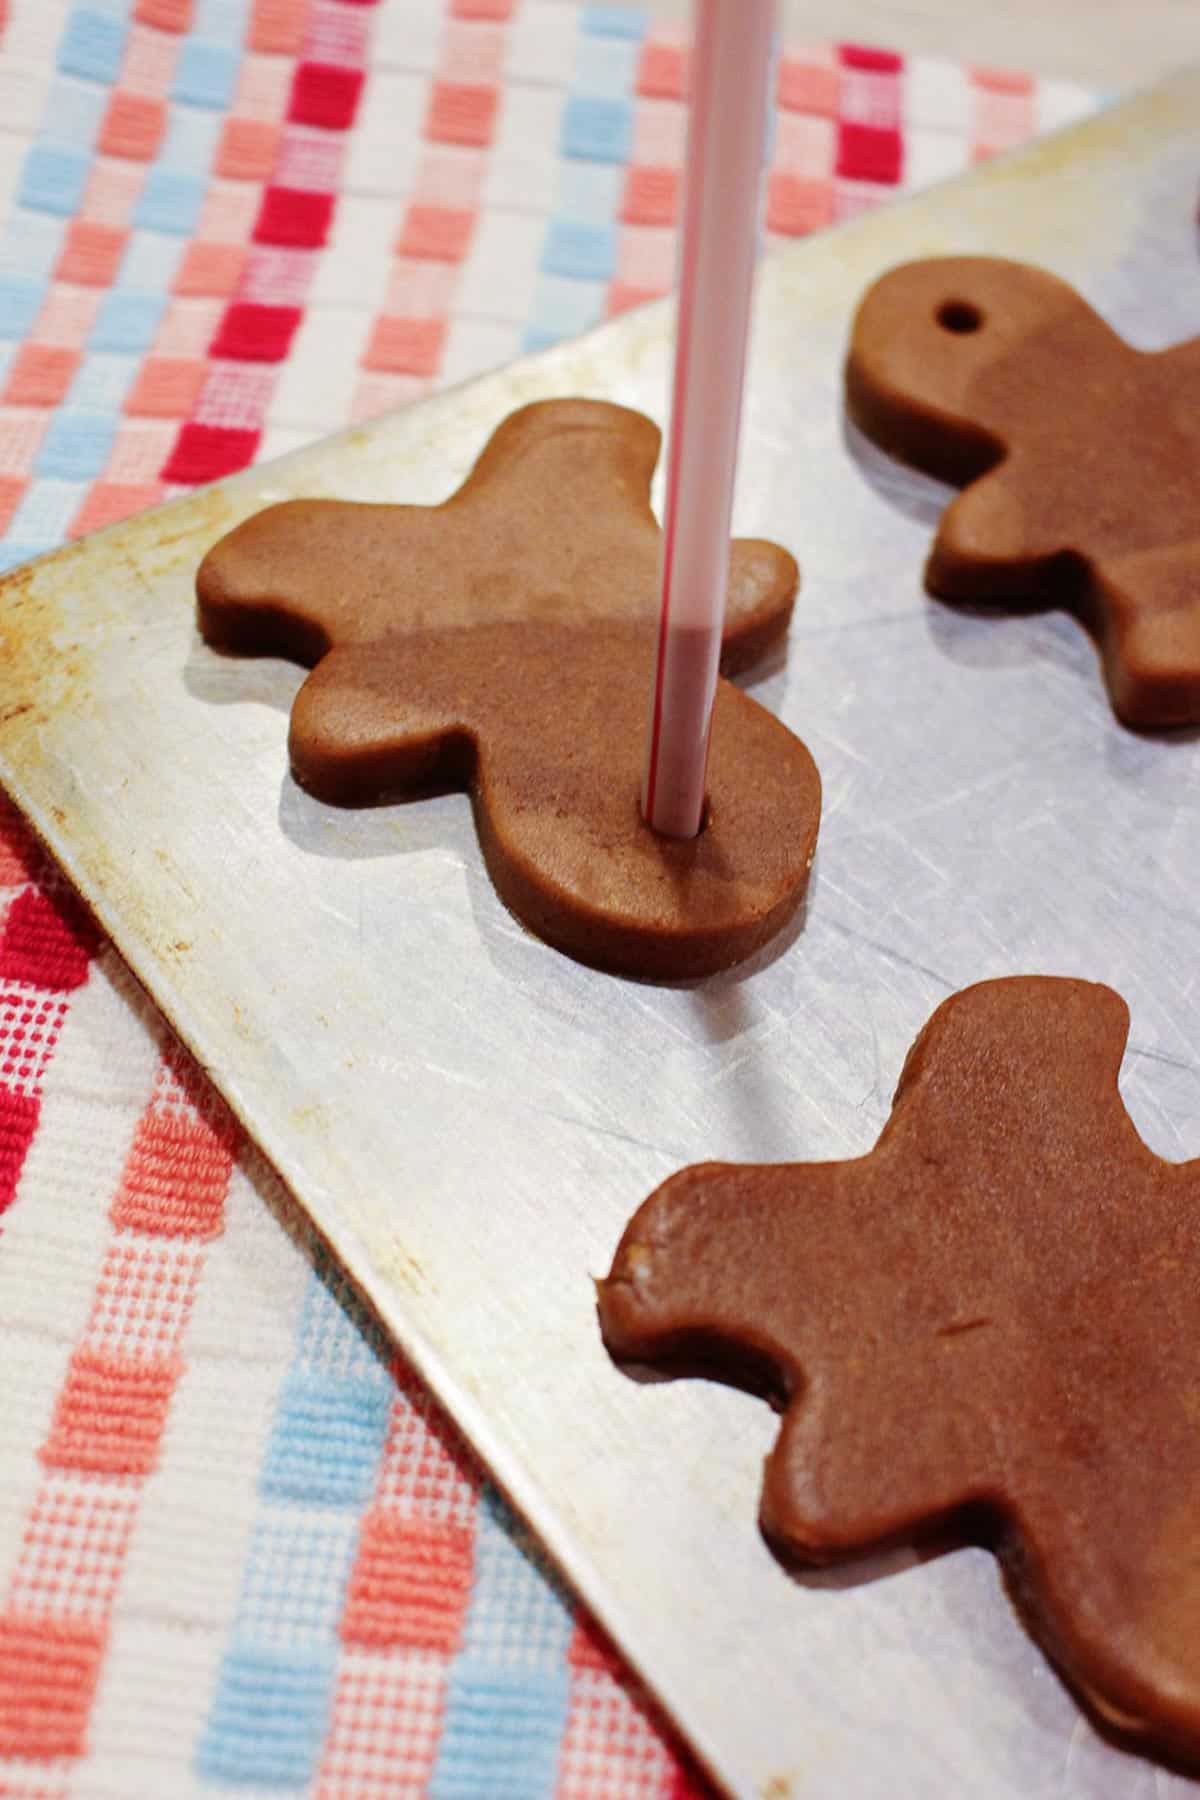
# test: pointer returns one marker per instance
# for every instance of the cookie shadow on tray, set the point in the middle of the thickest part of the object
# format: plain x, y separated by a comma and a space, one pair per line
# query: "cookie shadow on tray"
996, 636
220, 679
442, 821
1018, 1660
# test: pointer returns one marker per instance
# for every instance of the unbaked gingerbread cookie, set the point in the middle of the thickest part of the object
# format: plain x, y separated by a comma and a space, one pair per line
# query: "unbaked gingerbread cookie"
503, 642
1079, 456
993, 1319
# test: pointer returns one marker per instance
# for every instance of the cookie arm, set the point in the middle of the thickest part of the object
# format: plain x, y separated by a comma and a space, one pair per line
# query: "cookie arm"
358, 736
1147, 622
928, 342
693, 1289
988, 549
763, 582
297, 578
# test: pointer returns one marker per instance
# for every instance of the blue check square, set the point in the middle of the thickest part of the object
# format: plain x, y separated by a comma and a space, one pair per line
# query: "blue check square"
205, 74
268, 1716
597, 128
582, 251
45, 511
93, 45
613, 21
20, 303
77, 445
13, 554
518, 1713
53, 179
170, 202
541, 337
326, 1439
127, 321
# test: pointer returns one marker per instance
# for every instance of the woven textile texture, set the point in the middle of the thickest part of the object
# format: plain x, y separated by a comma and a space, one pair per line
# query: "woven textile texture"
240, 1551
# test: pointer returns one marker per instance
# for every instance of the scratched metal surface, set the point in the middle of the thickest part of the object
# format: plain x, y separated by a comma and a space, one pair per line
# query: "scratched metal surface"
471, 1118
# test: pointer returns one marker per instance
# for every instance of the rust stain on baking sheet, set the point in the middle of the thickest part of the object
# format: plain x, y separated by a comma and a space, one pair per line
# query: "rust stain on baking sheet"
400, 1267
314, 1115
39, 673
778, 1787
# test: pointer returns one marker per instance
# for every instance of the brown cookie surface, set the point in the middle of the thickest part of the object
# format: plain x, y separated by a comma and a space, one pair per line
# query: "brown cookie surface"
990, 1319
1080, 458
503, 642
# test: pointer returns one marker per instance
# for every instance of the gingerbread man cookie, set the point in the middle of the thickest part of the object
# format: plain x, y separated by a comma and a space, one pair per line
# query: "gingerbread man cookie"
503, 642
990, 1319
1080, 458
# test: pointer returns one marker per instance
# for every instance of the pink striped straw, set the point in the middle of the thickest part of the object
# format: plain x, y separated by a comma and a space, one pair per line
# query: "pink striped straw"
726, 137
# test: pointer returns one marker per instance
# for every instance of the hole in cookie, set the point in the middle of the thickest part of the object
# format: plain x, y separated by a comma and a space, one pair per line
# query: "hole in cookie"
959, 316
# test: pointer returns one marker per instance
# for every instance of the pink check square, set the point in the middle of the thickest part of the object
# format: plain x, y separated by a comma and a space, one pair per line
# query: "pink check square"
451, 175
149, 62
805, 146
247, 149
462, 112
138, 453
67, 315
187, 327
1002, 119
277, 275
659, 134
229, 211
309, 158
646, 257
263, 88
420, 289
112, 192
139, 450
378, 393
809, 82
871, 97
235, 396
335, 34
277, 27
472, 52
21, 432
210, 269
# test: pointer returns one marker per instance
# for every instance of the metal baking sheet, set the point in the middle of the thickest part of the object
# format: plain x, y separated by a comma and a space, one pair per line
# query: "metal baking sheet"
470, 1118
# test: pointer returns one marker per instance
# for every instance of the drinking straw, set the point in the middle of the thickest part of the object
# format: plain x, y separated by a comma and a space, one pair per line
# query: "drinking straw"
726, 138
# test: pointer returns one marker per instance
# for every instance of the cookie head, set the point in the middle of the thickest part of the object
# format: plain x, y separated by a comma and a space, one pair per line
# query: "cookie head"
922, 339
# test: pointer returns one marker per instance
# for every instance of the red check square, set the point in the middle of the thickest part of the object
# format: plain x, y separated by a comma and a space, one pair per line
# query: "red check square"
869, 153
324, 94
205, 452
292, 216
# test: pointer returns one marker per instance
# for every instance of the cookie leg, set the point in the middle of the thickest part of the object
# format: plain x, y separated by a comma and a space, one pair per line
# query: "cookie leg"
988, 551
356, 737
1150, 637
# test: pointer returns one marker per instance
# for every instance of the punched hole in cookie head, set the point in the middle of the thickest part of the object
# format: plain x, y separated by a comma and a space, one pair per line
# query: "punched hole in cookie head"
959, 316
